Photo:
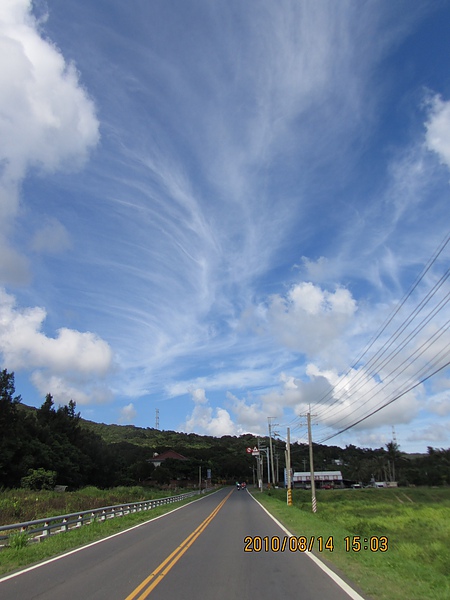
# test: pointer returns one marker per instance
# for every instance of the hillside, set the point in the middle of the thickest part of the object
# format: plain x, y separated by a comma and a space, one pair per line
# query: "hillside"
52, 445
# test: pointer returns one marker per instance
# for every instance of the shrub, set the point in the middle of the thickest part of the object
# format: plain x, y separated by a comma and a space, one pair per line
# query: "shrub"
18, 540
39, 479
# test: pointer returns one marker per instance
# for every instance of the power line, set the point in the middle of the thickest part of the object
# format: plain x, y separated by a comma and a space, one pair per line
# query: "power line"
419, 278
413, 377
396, 343
386, 403
398, 370
374, 362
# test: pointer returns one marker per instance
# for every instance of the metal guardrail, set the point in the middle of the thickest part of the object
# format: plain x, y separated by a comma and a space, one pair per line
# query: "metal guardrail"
42, 528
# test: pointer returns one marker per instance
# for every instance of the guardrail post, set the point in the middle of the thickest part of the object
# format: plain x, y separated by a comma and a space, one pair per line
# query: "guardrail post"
46, 531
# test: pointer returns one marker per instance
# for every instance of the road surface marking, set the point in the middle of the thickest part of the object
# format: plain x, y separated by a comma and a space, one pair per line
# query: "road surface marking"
161, 571
100, 541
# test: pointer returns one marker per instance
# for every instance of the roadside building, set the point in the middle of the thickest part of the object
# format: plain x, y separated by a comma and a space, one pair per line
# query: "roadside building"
323, 479
158, 459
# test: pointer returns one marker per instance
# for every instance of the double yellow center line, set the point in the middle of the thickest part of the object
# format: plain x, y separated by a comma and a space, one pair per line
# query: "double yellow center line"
149, 584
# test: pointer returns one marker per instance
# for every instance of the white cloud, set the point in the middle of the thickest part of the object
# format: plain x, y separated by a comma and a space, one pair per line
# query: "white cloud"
309, 319
358, 393
70, 366
24, 346
14, 267
60, 389
251, 417
51, 238
198, 396
71, 387
231, 379
433, 434
127, 413
47, 120
207, 420
440, 404
437, 138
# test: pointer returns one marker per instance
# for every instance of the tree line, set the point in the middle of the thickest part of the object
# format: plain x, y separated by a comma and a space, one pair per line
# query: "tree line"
53, 445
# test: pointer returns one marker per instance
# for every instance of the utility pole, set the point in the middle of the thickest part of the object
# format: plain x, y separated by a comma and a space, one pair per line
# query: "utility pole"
259, 464
394, 449
277, 462
266, 451
311, 466
157, 419
271, 449
288, 467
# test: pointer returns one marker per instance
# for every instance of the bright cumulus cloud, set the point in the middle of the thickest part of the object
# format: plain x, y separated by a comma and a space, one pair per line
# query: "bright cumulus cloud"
308, 318
127, 413
47, 122
24, 345
208, 420
58, 363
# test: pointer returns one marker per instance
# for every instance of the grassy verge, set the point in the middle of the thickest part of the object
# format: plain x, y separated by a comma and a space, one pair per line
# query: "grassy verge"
416, 522
15, 558
21, 505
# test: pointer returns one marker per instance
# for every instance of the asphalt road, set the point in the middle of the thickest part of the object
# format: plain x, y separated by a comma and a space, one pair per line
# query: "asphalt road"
191, 553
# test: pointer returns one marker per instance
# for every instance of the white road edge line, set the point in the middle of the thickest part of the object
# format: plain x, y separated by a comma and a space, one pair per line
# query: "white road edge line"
340, 582
110, 537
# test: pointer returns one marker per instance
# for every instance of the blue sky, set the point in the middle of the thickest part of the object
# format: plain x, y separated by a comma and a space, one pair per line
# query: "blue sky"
212, 208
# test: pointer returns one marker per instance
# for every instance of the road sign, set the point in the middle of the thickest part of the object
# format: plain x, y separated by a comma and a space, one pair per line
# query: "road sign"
249, 450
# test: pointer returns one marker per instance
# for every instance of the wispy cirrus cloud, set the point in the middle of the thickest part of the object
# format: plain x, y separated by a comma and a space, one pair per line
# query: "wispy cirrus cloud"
250, 214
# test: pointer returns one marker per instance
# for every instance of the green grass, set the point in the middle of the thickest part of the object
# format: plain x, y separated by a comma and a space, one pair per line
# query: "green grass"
20, 555
415, 521
20, 505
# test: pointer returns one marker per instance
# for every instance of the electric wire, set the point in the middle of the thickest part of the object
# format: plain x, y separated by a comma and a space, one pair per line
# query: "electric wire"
374, 362
430, 364
364, 376
386, 403
387, 322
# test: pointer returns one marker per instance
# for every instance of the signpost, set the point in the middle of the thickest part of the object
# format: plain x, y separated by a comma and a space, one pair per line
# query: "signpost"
256, 453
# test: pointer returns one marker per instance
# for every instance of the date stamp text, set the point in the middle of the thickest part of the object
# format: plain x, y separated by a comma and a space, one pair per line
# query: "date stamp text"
275, 543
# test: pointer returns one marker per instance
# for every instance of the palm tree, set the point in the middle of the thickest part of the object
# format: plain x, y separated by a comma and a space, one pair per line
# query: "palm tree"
394, 455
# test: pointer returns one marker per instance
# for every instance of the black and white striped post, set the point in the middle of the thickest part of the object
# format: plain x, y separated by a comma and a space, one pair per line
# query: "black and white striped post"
311, 466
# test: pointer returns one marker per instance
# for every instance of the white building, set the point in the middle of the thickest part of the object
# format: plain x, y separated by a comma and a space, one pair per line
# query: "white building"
321, 478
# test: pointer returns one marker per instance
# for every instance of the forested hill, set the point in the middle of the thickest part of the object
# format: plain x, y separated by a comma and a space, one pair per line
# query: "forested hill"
50, 445
140, 436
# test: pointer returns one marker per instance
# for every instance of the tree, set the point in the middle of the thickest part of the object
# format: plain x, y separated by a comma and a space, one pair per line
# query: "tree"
161, 475
393, 455
11, 439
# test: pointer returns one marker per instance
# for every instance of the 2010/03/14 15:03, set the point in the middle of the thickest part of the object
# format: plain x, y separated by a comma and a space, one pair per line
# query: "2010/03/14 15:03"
354, 543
